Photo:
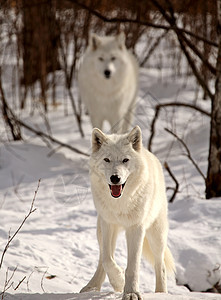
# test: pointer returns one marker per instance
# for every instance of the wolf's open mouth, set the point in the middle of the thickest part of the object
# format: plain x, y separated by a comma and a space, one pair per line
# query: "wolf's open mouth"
116, 189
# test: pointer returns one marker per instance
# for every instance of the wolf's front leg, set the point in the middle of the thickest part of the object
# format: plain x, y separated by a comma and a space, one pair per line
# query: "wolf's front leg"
114, 272
135, 236
96, 281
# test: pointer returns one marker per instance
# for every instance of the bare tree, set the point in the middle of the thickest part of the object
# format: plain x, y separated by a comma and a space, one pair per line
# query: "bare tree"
213, 181
40, 44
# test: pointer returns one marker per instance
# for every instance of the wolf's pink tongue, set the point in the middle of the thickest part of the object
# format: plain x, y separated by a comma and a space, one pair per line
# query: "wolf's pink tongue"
116, 190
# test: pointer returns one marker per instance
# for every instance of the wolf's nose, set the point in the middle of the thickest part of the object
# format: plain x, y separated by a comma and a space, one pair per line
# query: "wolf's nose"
107, 73
115, 179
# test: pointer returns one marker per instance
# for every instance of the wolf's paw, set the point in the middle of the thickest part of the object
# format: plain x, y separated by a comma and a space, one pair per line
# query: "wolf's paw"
117, 280
88, 288
132, 296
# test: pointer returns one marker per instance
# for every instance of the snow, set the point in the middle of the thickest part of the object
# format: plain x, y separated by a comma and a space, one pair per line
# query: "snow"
56, 250
110, 296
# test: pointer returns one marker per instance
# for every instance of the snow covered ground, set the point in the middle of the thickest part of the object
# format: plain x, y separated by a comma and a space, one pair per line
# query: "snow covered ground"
111, 296
56, 252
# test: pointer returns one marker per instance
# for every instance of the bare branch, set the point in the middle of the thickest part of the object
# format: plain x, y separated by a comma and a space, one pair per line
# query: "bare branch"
144, 23
205, 61
6, 113
31, 210
194, 69
27, 283
42, 134
20, 282
77, 115
42, 279
152, 130
188, 153
172, 21
176, 189
8, 284
153, 47
52, 139
68, 78
183, 40
178, 104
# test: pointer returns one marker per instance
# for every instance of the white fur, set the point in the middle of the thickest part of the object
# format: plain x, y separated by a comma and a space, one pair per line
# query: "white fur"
111, 99
141, 211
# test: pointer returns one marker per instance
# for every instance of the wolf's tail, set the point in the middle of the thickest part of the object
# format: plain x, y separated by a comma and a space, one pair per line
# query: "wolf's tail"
168, 257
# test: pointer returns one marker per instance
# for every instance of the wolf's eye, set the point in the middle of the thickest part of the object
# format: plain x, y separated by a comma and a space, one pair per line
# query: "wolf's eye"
113, 58
101, 58
125, 160
106, 159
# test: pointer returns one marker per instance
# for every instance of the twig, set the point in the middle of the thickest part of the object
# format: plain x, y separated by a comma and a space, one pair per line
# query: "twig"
68, 78
52, 139
20, 282
152, 130
27, 283
153, 47
45, 135
47, 143
8, 284
77, 115
42, 279
176, 189
54, 151
6, 287
7, 113
157, 111
188, 153
196, 73
19, 228
16, 188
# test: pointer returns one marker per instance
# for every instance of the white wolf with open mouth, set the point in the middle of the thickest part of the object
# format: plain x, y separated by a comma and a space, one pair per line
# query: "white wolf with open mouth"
128, 189
107, 81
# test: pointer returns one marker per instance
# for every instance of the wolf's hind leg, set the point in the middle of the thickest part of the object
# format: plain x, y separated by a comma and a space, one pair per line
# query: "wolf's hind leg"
157, 239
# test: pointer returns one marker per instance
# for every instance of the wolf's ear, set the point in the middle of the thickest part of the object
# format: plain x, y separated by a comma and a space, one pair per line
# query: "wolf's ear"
121, 40
135, 138
94, 41
98, 138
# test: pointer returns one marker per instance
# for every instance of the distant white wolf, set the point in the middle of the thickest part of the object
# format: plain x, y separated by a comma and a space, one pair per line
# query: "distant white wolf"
128, 189
108, 82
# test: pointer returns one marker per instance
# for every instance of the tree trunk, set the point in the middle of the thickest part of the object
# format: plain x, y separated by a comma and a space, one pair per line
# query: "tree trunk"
206, 48
40, 43
213, 180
